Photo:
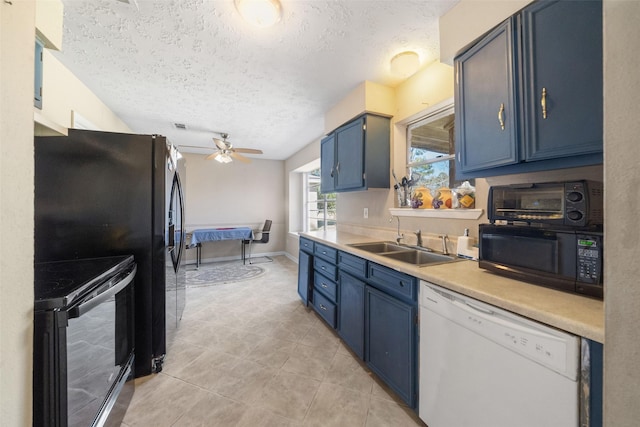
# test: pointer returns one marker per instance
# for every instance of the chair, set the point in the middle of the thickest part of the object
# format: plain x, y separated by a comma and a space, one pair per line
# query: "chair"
264, 238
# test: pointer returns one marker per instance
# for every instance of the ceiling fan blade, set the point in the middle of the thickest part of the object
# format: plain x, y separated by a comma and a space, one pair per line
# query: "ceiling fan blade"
247, 150
199, 148
211, 156
220, 144
240, 157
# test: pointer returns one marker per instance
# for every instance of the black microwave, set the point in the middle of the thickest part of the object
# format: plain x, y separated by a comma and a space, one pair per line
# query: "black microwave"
565, 259
576, 204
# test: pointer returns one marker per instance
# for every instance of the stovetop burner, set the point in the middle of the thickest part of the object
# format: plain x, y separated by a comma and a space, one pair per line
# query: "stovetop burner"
59, 283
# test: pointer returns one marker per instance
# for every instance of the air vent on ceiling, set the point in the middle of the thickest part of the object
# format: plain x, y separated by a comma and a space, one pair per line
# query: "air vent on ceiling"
180, 126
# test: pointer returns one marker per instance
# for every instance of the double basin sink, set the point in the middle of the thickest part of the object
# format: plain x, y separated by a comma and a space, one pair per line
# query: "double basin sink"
411, 255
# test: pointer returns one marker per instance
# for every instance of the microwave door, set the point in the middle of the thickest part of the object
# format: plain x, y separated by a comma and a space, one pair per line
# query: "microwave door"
521, 251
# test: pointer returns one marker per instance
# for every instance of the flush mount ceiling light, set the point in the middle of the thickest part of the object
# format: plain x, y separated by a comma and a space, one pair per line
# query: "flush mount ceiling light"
262, 13
405, 63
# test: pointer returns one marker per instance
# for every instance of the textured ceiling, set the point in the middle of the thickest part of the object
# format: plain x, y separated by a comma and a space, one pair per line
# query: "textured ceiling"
197, 62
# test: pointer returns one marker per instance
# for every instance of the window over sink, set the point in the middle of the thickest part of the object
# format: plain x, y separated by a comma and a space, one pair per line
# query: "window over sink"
431, 149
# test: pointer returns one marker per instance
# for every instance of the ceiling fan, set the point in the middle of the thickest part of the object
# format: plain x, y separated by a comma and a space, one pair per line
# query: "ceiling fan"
226, 152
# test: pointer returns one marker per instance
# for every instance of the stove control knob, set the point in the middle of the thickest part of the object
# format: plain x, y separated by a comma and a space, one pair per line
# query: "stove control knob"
574, 215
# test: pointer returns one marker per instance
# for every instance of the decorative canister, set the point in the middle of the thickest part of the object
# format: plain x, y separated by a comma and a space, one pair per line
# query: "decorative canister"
442, 199
421, 198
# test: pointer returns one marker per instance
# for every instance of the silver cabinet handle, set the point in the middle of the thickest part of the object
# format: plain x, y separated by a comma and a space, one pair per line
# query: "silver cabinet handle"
323, 285
323, 307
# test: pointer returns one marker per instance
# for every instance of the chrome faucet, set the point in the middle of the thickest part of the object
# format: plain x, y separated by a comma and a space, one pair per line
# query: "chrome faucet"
444, 238
418, 234
398, 236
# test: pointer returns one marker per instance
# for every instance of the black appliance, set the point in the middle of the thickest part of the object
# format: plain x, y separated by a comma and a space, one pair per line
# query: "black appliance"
106, 194
571, 204
83, 341
549, 234
569, 260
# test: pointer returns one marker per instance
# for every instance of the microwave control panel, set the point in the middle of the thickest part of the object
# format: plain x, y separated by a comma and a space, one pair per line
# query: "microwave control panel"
589, 258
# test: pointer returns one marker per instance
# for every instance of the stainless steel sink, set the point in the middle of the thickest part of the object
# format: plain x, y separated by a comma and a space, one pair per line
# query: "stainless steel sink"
378, 247
419, 258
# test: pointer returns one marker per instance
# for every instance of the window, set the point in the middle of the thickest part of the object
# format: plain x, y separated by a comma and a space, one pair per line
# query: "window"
431, 151
320, 209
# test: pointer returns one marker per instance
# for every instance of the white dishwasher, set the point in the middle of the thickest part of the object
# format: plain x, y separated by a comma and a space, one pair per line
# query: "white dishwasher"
481, 366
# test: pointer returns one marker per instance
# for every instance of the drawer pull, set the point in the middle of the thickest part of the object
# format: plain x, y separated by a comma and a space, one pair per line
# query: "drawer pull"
322, 267
323, 285
323, 307
401, 285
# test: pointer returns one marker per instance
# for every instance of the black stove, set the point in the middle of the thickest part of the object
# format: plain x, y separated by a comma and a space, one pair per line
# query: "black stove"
60, 283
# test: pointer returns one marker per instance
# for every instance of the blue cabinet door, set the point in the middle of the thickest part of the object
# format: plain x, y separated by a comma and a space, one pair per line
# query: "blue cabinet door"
305, 276
350, 155
351, 313
327, 164
562, 79
37, 87
390, 337
485, 102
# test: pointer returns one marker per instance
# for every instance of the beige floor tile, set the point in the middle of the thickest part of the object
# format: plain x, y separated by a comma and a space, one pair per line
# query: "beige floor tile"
161, 400
384, 413
272, 352
251, 354
262, 417
212, 410
347, 372
313, 362
288, 395
337, 406
244, 382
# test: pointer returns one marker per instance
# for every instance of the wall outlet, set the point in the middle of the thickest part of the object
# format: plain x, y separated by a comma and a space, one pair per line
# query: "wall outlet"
366, 213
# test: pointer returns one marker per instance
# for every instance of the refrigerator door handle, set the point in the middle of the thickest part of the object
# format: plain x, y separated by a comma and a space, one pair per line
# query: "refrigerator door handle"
183, 234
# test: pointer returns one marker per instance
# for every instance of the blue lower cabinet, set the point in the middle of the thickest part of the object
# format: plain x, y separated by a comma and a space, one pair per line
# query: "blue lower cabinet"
593, 352
305, 276
325, 308
351, 313
390, 337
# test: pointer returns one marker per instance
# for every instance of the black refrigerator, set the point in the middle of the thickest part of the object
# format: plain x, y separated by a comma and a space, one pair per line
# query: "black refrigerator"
106, 194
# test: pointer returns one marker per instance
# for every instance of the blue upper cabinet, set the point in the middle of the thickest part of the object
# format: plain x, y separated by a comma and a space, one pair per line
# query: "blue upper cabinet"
356, 156
538, 74
37, 87
486, 105
328, 164
562, 78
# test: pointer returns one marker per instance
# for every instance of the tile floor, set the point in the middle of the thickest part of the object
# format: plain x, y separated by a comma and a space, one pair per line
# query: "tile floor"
250, 354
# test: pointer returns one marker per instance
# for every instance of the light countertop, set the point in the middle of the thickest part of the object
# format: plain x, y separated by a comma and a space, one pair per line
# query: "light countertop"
577, 314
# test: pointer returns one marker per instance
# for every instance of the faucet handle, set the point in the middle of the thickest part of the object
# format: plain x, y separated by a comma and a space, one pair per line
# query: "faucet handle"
444, 238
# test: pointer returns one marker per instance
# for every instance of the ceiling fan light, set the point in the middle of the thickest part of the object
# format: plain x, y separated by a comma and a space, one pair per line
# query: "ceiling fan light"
405, 63
223, 158
261, 13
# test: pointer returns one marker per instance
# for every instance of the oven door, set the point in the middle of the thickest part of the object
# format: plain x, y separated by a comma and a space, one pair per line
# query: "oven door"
100, 353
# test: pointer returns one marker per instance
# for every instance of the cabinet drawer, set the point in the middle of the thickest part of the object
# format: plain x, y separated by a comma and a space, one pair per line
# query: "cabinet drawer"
326, 286
326, 268
326, 253
325, 308
352, 264
393, 282
306, 245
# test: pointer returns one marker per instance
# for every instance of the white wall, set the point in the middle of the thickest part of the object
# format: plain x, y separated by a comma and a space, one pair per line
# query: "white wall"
64, 93
622, 184
293, 192
17, 32
235, 194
